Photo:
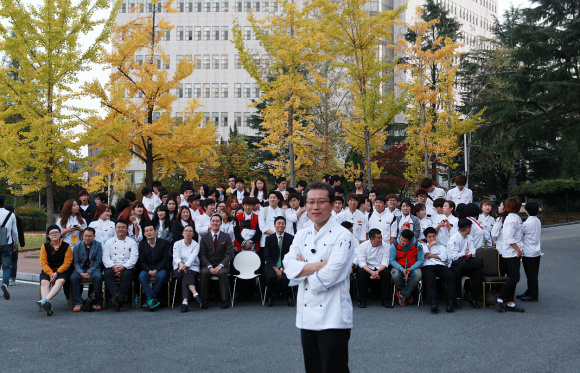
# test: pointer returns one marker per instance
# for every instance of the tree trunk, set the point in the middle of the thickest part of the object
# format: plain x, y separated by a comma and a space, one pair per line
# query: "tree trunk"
49, 198
424, 123
149, 167
291, 147
369, 175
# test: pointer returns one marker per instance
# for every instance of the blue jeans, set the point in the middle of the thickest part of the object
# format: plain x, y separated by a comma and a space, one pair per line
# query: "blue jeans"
151, 292
6, 254
77, 288
399, 281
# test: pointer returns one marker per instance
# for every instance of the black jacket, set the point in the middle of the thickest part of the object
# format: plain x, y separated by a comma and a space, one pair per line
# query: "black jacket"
272, 250
88, 215
153, 258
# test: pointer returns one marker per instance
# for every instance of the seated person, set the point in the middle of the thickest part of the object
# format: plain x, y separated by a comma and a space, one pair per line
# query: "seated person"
407, 257
153, 261
460, 245
55, 260
215, 254
246, 227
120, 255
277, 245
373, 260
87, 260
435, 265
186, 266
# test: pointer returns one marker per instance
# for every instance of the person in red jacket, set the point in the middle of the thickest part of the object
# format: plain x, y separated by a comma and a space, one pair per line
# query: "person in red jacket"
246, 228
406, 258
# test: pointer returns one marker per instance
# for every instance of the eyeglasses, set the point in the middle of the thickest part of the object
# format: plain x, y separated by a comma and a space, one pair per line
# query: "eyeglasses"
319, 203
54, 234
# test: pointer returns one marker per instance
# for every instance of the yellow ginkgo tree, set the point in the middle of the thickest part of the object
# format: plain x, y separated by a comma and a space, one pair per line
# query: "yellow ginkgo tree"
138, 101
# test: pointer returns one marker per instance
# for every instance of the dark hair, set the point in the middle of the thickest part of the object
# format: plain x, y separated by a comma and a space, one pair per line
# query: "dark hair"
163, 192
278, 195
376, 192
51, 227
186, 185
90, 229
421, 191
339, 189
292, 196
264, 189
103, 197
373, 232
1, 200
439, 202
280, 217
353, 196
512, 205
426, 183
532, 208
280, 179
452, 205
122, 204
178, 216
217, 215
83, 193
335, 178
418, 207
408, 234
145, 191
166, 222
149, 224
207, 202
302, 183
65, 213
156, 184
102, 208
247, 201
9, 208
239, 180
463, 223
346, 224
460, 180
122, 221
205, 189
408, 202
460, 209
339, 198
319, 185
327, 178
192, 197
358, 179
429, 230
130, 195
472, 210
231, 176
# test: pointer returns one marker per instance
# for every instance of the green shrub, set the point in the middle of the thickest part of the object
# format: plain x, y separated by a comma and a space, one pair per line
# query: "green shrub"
33, 217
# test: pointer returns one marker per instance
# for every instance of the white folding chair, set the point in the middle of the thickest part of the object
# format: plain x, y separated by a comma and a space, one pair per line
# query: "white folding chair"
247, 263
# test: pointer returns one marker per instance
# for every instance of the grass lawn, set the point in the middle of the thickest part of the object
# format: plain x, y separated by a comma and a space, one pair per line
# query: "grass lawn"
34, 240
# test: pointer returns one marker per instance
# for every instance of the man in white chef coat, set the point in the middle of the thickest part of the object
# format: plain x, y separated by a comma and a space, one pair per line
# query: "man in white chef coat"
319, 261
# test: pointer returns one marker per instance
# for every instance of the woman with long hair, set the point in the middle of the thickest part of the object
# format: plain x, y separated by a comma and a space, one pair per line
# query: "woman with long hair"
71, 223
140, 213
182, 220
172, 207
227, 224
232, 203
204, 191
103, 226
186, 265
259, 191
162, 223
133, 229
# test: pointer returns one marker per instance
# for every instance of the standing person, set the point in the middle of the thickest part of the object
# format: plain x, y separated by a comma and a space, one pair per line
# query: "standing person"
153, 263
481, 236
281, 185
373, 193
186, 192
320, 261
227, 223
510, 249
337, 205
140, 214
407, 220
434, 191
104, 228
71, 223
392, 201
460, 194
356, 217
422, 197
531, 230
296, 216
203, 191
231, 184
163, 225
9, 245
55, 260
486, 212
150, 201
239, 193
383, 220
268, 214
358, 187
260, 191
101, 198
120, 255
20, 229
421, 213
87, 260
186, 265
87, 208
135, 231
172, 208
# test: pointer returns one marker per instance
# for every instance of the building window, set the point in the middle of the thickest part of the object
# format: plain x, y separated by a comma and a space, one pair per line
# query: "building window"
265, 6
207, 33
130, 6
189, 33
275, 6
123, 8
215, 118
197, 90
238, 119
215, 90
179, 91
238, 5
207, 6
206, 90
189, 6
215, 59
225, 6
197, 33
187, 90
167, 63
224, 61
247, 32
216, 33
179, 33
224, 90
237, 64
247, 5
197, 6
157, 61
140, 7
206, 61
181, 5
247, 119
224, 119
256, 5
224, 32
207, 118
197, 60
139, 60
167, 36
237, 90
247, 90
216, 5
256, 90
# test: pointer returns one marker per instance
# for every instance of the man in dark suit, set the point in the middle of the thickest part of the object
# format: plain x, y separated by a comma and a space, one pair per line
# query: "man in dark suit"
215, 254
153, 262
277, 245
87, 260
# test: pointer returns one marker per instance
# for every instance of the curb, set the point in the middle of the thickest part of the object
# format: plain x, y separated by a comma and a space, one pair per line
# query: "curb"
27, 277
561, 224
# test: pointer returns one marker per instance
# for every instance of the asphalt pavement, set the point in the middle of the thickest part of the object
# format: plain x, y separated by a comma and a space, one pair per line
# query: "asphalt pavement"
252, 338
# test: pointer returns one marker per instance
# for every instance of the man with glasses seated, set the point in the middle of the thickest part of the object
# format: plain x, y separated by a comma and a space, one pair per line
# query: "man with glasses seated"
153, 263
87, 260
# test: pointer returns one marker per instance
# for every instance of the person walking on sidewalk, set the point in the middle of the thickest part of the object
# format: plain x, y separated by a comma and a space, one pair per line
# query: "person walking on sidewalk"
8, 236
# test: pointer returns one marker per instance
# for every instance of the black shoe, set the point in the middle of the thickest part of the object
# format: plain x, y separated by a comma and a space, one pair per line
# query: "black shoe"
475, 304
450, 307
268, 302
225, 304
386, 304
117, 302
362, 304
458, 303
514, 309
184, 307
524, 294
290, 302
154, 303
197, 298
48, 308
203, 305
499, 306
434, 307
527, 298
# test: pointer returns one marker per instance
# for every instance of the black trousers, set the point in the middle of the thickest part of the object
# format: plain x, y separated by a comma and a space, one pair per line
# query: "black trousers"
508, 290
273, 284
532, 268
187, 278
430, 274
123, 287
363, 280
474, 274
205, 278
325, 350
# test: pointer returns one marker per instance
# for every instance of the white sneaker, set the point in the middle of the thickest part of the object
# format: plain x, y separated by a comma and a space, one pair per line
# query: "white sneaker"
5, 291
12, 282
